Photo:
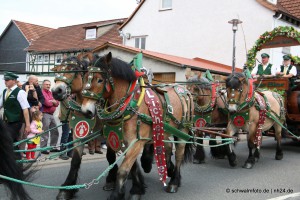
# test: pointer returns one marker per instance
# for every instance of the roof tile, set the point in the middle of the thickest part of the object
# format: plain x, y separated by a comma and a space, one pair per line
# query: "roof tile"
72, 38
31, 31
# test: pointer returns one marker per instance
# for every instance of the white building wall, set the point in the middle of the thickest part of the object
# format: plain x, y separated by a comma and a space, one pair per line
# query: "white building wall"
149, 63
200, 28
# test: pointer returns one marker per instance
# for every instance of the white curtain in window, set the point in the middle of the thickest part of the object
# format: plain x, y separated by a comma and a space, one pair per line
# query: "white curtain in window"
166, 4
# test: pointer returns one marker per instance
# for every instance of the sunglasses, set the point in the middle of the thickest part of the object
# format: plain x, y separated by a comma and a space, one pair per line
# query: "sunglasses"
7, 79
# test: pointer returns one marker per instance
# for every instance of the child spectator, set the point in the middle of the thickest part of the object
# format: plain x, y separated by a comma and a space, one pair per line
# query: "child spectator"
36, 127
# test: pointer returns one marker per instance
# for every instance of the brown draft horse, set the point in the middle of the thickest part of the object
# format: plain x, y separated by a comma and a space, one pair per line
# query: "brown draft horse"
111, 83
208, 103
10, 168
246, 108
72, 83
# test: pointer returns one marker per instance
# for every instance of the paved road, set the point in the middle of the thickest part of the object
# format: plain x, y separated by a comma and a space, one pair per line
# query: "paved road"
214, 180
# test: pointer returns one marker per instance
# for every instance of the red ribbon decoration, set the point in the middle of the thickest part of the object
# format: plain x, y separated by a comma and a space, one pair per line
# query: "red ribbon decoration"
157, 133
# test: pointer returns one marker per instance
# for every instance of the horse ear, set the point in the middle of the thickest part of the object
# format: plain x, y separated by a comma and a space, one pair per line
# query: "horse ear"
54, 69
108, 57
80, 56
90, 56
242, 79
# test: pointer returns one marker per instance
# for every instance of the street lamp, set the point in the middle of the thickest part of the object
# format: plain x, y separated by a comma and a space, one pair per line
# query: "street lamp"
234, 23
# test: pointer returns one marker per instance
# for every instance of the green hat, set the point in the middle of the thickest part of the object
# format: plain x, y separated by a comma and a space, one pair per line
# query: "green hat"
10, 76
263, 55
286, 57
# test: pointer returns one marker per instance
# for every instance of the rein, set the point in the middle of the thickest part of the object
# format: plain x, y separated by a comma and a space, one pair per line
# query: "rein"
67, 81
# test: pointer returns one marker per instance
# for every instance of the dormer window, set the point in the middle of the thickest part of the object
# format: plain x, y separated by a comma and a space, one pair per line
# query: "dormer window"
272, 1
166, 4
90, 33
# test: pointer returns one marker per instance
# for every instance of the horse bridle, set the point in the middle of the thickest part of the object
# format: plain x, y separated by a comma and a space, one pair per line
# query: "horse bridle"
92, 95
62, 78
232, 99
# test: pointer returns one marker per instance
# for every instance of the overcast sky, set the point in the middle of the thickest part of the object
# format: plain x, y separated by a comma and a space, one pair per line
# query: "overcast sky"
58, 13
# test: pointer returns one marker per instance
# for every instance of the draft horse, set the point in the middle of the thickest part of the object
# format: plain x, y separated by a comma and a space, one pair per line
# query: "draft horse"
72, 83
209, 106
114, 82
252, 111
9, 167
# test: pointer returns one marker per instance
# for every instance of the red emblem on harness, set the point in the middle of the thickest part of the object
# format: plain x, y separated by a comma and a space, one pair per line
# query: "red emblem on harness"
200, 122
113, 140
239, 121
82, 129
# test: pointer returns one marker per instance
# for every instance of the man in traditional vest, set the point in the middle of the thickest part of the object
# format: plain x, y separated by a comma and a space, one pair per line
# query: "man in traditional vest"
286, 70
264, 69
15, 104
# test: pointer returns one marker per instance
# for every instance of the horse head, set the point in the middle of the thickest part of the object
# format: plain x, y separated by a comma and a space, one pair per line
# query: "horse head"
70, 81
200, 87
237, 87
106, 81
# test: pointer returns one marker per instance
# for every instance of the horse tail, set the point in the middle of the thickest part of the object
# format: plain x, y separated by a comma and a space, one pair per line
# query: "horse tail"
9, 167
188, 151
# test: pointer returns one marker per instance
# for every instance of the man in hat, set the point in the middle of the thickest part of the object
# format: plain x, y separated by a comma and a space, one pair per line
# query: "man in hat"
15, 104
286, 70
264, 69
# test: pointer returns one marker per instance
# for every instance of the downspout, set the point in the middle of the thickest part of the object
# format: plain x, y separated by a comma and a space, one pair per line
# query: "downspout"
123, 36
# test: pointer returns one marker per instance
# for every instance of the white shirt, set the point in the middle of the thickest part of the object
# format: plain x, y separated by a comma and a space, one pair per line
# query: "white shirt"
292, 71
22, 98
273, 69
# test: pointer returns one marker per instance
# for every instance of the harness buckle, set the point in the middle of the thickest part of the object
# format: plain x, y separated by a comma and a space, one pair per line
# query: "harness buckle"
170, 109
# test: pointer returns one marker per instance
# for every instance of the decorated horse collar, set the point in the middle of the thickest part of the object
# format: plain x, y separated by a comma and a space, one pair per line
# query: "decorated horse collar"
212, 104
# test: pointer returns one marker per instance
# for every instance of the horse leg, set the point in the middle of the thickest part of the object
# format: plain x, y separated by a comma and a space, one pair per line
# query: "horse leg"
279, 154
170, 164
112, 175
147, 157
137, 188
72, 176
251, 159
229, 148
217, 152
124, 169
183, 152
199, 156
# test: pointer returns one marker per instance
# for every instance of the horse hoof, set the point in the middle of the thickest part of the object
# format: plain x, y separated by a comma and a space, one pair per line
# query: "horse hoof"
63, 195
172, 188
248, 165
279, 157
134, 197
233, 163
197, 161
109, 186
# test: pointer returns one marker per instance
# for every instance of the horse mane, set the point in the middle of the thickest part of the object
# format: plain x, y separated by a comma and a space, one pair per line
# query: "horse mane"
81, 64
119, 68
203, 82
233, 80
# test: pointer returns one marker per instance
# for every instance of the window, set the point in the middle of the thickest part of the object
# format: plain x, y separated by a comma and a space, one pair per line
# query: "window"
90, 33
273, 1
166, 4
40, 58
58, 58
46, 58
140, 42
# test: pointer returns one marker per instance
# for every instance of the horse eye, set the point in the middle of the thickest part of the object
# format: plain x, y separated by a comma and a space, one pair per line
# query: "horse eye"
100, 80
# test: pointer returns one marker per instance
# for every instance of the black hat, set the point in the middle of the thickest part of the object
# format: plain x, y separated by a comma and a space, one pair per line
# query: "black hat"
10, 76
286, 57
263, 55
